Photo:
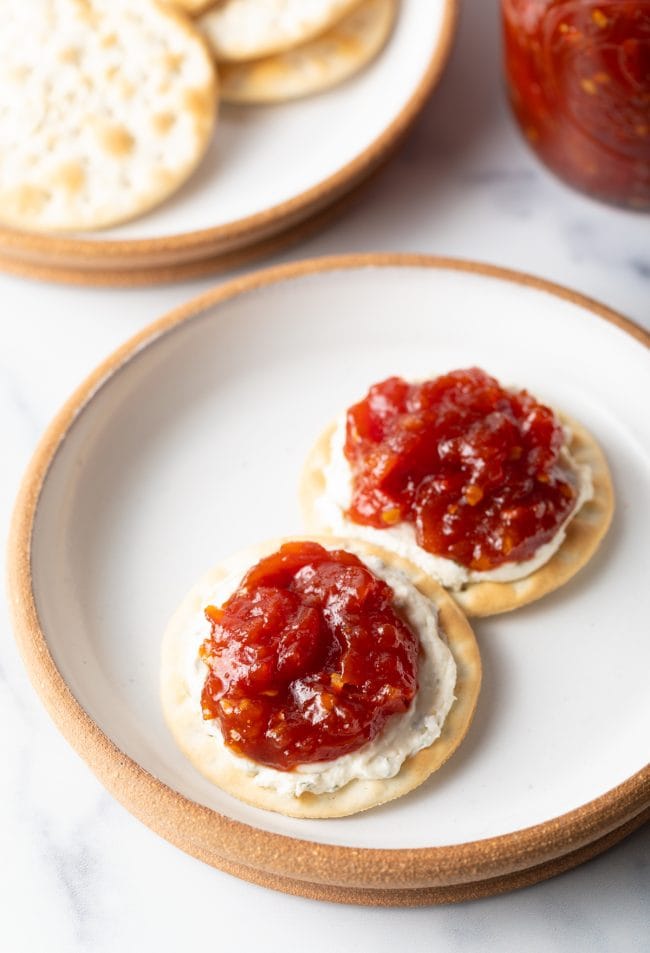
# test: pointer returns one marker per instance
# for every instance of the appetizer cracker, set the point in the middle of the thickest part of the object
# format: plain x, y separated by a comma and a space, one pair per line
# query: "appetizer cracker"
447, 691
574, 497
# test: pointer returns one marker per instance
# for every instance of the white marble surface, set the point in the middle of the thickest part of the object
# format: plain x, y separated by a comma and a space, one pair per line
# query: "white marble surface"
77, 872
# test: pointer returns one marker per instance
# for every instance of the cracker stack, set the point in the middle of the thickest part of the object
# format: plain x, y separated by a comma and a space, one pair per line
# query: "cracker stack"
269, 51
108, 106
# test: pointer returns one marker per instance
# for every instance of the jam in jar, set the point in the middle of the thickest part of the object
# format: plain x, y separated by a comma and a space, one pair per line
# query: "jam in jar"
307, 659
578, 76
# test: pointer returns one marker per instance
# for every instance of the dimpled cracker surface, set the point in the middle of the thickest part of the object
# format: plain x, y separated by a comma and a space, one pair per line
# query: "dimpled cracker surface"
106, 107
315, 66
248, 29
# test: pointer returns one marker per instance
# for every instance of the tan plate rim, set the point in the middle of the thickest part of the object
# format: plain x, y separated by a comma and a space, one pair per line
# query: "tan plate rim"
143, 275
201, 831
42, 248
429, 896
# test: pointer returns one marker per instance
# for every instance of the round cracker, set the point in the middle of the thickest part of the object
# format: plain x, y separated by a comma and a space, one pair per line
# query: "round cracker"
583, 534
106, 107
315, 66
187, 726
250, 29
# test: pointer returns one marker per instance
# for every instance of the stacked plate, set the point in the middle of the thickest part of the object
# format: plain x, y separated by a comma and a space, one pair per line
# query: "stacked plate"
186, 444
271, 175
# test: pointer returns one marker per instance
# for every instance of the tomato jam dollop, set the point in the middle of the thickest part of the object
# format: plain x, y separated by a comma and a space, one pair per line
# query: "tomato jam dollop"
475, 468
307, 659
578, 74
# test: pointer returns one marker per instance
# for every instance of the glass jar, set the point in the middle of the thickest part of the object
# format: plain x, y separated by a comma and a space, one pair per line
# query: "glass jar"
578, 76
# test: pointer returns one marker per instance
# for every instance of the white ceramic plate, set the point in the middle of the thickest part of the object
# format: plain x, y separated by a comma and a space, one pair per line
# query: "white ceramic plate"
187, 445
264, 156
270, 167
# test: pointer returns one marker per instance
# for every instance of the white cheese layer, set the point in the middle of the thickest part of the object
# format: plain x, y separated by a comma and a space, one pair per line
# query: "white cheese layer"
403, 735
332, 505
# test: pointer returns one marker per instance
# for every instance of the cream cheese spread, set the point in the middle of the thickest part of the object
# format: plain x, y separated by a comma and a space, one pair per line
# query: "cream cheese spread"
332, 505
403, 735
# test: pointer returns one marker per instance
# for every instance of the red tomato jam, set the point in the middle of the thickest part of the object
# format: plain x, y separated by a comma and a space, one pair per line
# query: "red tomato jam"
579, 79
307, 658
475, 468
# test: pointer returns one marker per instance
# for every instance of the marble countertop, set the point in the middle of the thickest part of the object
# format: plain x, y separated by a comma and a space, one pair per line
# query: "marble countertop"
78, 872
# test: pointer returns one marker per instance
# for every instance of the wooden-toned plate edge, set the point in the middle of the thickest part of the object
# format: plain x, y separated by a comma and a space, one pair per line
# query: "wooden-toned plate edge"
224, 841
430, 896
40, 248
143, 276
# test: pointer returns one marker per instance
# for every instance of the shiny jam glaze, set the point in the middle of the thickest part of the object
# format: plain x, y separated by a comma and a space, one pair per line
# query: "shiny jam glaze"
475, 468
307, 659
578, 73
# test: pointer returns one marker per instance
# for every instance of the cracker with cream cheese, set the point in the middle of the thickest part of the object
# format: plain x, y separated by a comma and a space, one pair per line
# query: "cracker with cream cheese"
315, 66
232, 773
249, 29
106, 107
584, 532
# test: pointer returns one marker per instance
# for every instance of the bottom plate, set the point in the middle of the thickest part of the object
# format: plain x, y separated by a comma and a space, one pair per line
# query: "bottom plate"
433, 896
187, 443
138, 276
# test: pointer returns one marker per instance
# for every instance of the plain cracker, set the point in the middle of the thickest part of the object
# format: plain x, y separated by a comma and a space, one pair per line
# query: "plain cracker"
106, 107
186, 722
583, 534
316, 65
249, 29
